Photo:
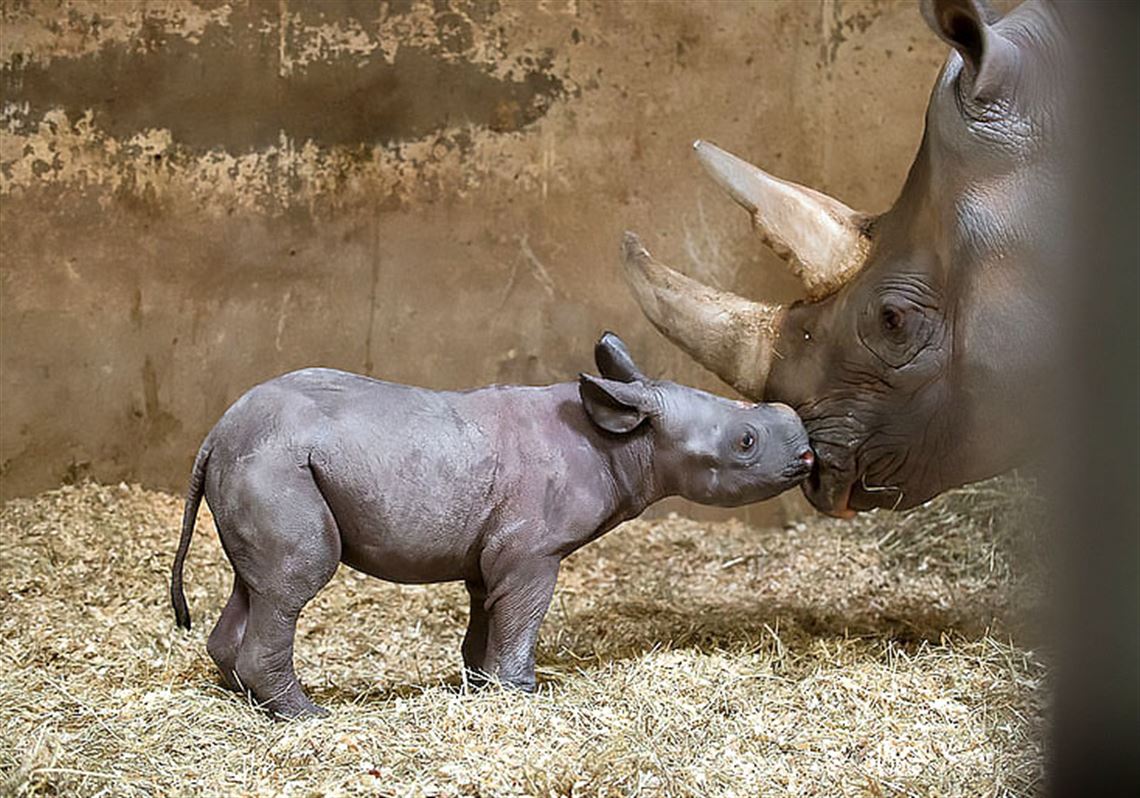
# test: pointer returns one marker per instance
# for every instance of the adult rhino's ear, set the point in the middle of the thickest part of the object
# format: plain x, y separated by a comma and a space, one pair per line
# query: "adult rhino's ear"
966, 26
617, 407
614, 360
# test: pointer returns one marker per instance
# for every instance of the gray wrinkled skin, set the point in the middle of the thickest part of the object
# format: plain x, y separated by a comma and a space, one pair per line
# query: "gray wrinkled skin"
493, 487
929, 369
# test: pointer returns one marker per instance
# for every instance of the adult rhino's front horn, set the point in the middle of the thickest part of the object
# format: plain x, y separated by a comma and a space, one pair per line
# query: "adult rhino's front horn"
824, 241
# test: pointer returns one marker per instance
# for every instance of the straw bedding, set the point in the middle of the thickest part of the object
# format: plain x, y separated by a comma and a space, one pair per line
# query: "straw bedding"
886, 656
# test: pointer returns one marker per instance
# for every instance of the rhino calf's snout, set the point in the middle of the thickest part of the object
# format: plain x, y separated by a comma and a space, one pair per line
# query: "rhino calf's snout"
493, 486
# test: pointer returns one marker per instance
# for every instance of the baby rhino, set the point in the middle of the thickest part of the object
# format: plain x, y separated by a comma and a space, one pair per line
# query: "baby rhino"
493, 486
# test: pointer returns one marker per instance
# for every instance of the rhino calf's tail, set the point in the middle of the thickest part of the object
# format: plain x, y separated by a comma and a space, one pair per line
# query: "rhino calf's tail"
189, 516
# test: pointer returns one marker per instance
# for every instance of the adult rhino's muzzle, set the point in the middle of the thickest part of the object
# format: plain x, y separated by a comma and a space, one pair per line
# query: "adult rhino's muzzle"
832, 492
827, 493
841, 485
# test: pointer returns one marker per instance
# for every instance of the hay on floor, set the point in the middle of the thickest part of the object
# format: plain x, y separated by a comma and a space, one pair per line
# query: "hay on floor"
679, 658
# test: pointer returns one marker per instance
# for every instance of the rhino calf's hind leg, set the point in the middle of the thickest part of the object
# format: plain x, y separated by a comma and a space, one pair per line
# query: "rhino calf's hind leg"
284, 545
265, 661
225, 641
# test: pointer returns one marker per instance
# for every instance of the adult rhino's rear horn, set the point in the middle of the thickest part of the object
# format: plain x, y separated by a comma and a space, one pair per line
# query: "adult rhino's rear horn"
731, 336
824, 241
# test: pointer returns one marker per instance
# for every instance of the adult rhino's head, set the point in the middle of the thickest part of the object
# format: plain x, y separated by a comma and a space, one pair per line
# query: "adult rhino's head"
917, 352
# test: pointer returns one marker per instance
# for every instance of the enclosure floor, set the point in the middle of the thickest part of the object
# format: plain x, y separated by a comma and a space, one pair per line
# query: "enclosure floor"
829, 658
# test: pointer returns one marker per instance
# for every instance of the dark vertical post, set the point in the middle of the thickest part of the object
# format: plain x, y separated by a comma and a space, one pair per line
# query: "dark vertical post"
1097, 704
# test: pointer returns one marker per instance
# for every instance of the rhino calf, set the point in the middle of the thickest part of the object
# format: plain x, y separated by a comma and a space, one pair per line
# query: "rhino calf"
492, 486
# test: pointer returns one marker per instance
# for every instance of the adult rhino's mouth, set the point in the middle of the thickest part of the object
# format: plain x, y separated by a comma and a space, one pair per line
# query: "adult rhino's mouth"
840, 494
827, 493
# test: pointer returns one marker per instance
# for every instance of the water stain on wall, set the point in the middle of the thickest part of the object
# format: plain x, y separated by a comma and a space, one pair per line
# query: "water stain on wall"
236, 89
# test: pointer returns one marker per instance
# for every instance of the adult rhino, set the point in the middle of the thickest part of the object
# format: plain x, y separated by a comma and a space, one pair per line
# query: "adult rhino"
926, 333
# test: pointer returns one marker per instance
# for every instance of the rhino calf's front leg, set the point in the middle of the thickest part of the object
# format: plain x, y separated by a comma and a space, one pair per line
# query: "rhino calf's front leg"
517, 602
475, 640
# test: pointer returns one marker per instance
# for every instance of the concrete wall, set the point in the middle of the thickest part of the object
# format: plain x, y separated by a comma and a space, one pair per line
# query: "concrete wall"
197, 196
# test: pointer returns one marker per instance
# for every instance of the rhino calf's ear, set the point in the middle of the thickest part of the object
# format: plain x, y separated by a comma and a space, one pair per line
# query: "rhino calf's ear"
965, 26
614, 360
617, 407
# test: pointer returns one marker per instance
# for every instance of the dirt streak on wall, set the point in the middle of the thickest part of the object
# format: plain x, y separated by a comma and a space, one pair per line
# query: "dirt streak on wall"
195, 196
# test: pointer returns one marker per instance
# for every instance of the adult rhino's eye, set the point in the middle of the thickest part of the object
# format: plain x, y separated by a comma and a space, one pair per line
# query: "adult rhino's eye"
893, 318
746, 442
895, 327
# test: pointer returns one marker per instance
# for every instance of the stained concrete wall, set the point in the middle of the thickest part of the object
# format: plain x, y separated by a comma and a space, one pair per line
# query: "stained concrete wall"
196, 196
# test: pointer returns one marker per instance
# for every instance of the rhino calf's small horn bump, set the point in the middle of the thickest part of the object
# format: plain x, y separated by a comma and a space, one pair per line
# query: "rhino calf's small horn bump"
731, 336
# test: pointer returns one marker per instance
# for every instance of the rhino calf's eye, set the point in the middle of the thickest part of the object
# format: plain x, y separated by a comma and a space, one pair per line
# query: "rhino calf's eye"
747, 441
